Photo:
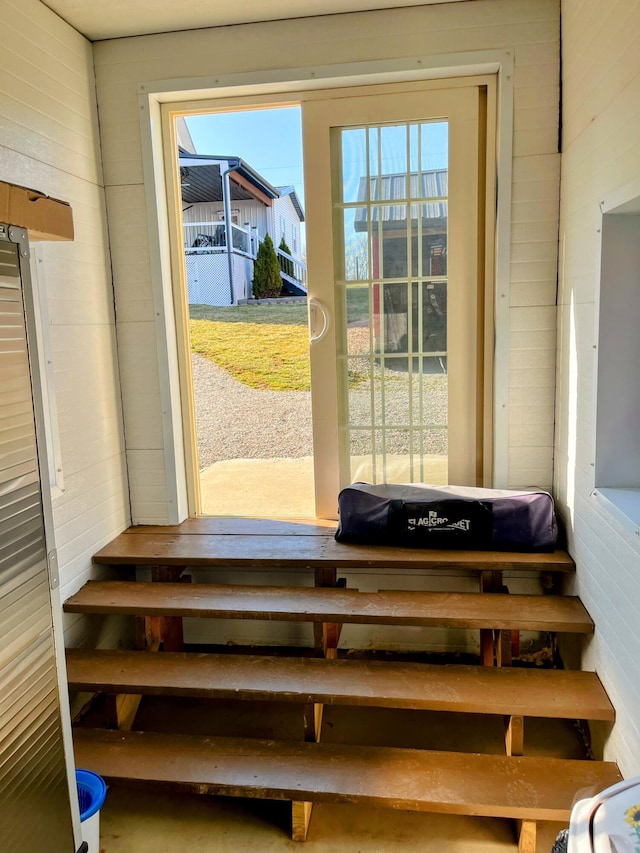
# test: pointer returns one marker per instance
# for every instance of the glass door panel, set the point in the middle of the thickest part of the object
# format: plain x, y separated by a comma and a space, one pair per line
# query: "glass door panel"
399, 276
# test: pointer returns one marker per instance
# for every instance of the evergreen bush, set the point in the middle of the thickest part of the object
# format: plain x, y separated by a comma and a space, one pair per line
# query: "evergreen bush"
286, 264
267, 282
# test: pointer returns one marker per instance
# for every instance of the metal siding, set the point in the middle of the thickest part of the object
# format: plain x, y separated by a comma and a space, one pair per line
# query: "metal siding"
34, 796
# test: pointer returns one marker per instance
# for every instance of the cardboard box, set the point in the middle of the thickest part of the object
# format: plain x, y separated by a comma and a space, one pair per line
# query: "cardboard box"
45, 218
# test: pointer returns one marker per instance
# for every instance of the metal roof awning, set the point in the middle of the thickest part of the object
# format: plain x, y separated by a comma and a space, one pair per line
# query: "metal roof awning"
390, 203
201, 180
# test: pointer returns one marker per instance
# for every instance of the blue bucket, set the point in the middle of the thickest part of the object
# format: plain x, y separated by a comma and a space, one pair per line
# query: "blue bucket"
92, 791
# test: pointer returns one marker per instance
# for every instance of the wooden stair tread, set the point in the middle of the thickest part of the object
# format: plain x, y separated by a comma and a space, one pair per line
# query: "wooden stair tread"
441, 609
459, 783
279, 544
452, 687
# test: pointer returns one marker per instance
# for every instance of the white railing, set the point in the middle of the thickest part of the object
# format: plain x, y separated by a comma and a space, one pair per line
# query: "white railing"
207, 238
292, 270
211, 237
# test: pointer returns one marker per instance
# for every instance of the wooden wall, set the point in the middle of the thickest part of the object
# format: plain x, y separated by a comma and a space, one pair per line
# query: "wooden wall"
600, 153
49, 141
529, 27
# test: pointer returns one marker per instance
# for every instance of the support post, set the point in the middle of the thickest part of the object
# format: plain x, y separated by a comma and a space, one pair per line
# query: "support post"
514, 735
172, 634
495, 646
121, 710
527, 837
300, 817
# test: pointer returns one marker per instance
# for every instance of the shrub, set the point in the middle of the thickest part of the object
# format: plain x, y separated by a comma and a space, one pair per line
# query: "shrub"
285, 264
267, 282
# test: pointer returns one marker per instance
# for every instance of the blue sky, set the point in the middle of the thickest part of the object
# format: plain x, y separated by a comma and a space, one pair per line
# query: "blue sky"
270, 141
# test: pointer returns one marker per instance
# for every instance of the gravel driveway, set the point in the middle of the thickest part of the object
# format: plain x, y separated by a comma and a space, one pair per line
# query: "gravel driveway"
234, 421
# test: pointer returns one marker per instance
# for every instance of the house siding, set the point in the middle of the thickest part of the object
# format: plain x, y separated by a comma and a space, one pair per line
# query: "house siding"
257, 215
49, 141
529, 27
600, 153
283, 207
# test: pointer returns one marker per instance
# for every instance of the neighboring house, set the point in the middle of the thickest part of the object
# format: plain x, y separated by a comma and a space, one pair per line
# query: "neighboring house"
287, 216
110, 379
220, 270
389, 256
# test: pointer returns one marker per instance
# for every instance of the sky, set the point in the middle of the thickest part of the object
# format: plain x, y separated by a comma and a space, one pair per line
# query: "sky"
269, 140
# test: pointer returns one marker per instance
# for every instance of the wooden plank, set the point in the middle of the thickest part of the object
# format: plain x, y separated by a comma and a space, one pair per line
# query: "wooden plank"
446, 609
309, 551
242, 527
448, 687
493, 786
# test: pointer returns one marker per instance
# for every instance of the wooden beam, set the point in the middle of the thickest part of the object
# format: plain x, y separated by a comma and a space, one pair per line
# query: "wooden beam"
514, 735
148, 633
487, 647
122, 709
44, 218
503, 641
300, 817
527, 837
246, 185
171, 626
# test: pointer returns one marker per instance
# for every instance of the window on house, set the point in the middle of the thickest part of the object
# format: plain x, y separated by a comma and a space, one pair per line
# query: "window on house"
283, 227
617, 474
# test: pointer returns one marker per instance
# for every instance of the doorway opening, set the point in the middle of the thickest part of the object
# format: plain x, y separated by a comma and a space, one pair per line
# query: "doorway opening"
243, 233
396, 366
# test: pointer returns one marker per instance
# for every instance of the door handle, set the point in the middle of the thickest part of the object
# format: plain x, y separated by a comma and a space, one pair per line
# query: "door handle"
316, 306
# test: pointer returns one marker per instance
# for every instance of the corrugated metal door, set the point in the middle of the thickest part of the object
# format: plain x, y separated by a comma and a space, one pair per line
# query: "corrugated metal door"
35, 812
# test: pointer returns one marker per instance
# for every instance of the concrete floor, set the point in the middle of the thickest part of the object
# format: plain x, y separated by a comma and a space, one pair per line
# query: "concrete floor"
135, 820
244, 487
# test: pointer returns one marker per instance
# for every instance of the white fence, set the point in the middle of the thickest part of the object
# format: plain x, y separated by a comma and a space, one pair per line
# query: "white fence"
207, 262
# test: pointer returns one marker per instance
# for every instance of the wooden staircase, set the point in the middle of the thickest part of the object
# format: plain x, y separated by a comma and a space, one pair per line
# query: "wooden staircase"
513, 785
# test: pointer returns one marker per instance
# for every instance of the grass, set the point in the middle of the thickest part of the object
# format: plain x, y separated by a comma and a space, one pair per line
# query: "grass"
267, 356
264, 346
293, 314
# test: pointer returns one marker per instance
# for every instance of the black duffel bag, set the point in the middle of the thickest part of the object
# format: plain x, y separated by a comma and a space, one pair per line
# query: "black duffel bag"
460, 517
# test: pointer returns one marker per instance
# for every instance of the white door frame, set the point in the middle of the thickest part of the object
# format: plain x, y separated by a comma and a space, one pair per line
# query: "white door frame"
283, 82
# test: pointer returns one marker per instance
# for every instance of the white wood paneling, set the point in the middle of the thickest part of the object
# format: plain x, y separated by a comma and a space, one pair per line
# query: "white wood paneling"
283, 207
49, 141
528, 27
601, 152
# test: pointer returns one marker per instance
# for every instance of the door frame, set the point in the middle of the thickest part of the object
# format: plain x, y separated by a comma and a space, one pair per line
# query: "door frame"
281, 86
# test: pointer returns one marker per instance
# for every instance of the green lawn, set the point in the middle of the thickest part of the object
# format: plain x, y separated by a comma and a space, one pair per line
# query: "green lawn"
265, 346
293, 314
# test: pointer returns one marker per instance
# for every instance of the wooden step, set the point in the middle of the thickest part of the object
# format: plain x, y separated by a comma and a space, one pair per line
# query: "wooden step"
434, 609
496, 786
471, 689
273, 543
